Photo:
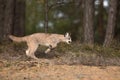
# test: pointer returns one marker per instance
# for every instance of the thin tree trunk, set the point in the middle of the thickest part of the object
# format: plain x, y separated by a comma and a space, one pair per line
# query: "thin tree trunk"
111, 23
100, 21
88, 22
46, 16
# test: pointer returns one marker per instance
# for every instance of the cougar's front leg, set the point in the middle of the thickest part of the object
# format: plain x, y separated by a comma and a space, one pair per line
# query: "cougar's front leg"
50, 48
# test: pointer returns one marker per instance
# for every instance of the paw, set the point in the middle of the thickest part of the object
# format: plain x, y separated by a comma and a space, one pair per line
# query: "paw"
47, 51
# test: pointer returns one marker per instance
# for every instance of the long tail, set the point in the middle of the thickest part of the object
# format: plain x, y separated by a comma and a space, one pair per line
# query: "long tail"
17, 39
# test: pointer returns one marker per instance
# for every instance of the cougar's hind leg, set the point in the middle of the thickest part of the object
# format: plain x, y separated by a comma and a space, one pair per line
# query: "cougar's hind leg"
30, 52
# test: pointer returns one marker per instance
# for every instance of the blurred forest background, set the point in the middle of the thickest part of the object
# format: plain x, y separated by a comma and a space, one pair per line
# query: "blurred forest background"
89, 21
94, 26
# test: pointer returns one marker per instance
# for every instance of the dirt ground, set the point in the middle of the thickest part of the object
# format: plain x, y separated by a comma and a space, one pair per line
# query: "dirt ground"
30, 70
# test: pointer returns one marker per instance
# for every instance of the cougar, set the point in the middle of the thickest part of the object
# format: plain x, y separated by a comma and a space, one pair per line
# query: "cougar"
46, 39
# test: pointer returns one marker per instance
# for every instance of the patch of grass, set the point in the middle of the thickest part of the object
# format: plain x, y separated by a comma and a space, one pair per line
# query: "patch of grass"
62, 47
19, 46
77, 53
1, 49
107, 52
74, 53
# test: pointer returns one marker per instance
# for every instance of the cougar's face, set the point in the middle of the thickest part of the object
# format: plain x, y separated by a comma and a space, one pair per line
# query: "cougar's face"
68, 39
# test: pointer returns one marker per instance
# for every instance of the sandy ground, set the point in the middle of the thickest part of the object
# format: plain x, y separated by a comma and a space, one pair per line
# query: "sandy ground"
46, 71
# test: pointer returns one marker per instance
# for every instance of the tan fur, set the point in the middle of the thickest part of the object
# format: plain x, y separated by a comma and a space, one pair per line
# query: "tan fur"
34, 40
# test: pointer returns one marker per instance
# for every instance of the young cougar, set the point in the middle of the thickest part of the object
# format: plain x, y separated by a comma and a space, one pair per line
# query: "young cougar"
36, 39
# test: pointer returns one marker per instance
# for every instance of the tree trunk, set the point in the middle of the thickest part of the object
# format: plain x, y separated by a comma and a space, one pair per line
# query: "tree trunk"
2, 4
88, 22
46, 16
111, 23
12, 18
100, 21
8, 18
19, 18
117, 29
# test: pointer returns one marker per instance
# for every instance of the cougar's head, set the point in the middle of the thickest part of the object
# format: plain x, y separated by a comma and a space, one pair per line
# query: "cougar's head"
68, 39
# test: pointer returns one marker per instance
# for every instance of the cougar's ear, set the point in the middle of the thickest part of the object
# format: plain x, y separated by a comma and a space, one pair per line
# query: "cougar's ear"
66, 34
69, 34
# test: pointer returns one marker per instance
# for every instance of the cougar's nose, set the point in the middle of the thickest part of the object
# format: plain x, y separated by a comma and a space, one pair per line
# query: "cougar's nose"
69, 41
